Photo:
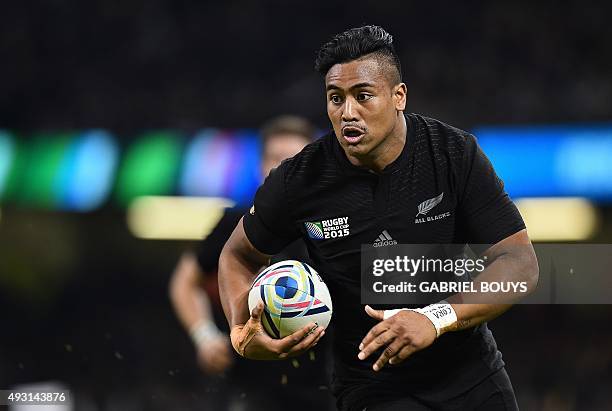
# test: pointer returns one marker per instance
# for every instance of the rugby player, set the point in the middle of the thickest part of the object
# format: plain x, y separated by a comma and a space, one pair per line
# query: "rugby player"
190, 294
364, 180
195, 299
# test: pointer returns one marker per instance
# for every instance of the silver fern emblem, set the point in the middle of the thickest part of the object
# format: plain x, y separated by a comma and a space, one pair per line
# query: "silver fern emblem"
426, 206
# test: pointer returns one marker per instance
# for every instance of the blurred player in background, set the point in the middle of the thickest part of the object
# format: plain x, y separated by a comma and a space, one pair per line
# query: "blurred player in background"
194, 289
375, 172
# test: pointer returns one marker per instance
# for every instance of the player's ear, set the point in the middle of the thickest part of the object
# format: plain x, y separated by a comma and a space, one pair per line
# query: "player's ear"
400, 93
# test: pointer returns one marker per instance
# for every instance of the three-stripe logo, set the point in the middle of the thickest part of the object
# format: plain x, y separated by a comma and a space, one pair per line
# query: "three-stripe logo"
384, 239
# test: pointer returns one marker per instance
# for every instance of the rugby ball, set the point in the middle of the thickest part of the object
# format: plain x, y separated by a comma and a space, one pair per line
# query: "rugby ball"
294, 295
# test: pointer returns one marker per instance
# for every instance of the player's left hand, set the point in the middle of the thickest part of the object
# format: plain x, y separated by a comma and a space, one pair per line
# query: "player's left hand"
401, 335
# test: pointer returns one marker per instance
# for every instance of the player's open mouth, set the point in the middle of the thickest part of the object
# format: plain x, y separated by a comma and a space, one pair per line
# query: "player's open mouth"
352, 134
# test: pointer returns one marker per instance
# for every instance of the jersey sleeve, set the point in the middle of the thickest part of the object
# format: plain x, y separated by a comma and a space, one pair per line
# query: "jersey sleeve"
268, 224
210, 248
486, 212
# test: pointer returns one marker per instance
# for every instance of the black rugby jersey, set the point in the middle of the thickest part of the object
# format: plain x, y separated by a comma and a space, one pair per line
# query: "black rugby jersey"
210, 248
320, 187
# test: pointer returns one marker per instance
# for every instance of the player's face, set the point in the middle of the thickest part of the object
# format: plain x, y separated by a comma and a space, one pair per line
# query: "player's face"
280, 147
363, 106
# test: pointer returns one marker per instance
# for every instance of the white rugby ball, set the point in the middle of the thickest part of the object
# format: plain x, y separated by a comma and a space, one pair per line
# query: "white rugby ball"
294, 295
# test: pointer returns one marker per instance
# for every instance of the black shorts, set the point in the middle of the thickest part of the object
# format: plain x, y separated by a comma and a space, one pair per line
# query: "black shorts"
494, 393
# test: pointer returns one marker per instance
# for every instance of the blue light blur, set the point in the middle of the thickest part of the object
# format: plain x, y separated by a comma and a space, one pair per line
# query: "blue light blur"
222, 164
87, 171
554, 161
6, 158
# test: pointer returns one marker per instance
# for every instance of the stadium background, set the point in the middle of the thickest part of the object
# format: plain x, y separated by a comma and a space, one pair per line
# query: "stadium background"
102, 103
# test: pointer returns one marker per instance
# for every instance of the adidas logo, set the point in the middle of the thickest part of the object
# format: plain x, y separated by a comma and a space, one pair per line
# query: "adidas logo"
384, 239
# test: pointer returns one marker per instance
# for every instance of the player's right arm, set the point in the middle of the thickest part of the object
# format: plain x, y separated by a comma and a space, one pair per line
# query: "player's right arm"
240, 261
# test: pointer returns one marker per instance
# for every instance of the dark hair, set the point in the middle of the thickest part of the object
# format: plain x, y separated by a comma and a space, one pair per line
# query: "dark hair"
287, 124
355, 43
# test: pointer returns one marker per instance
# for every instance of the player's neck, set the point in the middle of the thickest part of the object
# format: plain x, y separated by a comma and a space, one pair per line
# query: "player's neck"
387, 151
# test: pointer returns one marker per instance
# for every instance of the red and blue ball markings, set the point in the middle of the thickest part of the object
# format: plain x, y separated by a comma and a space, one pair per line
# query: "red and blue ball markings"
287, 292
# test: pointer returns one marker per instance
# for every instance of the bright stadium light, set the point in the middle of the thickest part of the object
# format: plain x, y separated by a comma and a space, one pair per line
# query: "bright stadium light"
558, 219
175, 218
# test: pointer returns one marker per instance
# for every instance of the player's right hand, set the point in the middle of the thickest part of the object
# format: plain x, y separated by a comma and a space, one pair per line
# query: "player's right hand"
251, 341
215, 355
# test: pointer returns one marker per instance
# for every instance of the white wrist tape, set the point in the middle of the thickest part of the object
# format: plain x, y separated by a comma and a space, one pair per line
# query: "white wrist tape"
204, 331
442, 315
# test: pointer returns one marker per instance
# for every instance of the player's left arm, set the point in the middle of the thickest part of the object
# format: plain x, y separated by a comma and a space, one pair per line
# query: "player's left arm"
486, 214
512, 259
404, 332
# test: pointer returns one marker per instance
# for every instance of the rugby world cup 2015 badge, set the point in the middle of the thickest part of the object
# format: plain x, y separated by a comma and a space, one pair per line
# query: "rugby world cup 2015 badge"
330, 228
